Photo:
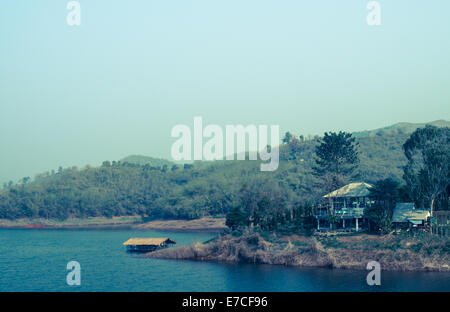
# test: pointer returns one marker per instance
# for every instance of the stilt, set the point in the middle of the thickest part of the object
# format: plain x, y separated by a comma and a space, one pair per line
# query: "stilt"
356, 225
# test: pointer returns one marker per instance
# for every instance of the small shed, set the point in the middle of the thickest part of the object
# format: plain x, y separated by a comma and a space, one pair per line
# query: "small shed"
407, 214
147, 244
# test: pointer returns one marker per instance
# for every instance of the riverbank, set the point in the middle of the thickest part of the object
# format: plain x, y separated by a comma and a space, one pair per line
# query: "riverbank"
71, 223
206, 224
394, 253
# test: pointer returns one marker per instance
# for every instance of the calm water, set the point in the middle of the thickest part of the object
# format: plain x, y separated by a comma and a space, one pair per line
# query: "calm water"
35, 260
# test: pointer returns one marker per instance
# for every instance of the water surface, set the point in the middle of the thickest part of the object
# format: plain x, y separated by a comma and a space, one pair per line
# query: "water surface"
35, 260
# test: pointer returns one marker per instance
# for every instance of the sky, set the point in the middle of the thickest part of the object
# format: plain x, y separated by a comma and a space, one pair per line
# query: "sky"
116, 84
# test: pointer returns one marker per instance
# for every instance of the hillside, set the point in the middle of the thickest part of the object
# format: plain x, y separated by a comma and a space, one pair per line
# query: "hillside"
381, 156
146, 160
401, 128
140, 185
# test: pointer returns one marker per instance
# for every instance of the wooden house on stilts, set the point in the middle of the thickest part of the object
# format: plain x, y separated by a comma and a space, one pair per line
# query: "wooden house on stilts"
347, 205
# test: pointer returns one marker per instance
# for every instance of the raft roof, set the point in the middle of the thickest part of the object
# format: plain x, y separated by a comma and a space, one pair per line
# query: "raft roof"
148, 241
358, 189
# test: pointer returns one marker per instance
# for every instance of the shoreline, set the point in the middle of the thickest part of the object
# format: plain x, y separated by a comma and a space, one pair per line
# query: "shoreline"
205, 224
352, 252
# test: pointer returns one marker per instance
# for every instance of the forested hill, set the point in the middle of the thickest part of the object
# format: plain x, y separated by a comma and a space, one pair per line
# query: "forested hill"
146, 160
401, 127
381, 156
175, 191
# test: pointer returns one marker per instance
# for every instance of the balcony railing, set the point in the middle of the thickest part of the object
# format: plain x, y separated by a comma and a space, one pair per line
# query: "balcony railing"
349, 211
343, 212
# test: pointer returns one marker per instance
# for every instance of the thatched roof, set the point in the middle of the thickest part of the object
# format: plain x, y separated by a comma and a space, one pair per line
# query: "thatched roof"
358, 189
148, 241
405, 212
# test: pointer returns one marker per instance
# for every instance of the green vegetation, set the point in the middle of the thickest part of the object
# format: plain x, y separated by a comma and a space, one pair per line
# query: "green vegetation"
386, 194
427, 173
146, 160
279, 201
337, 160
401, 127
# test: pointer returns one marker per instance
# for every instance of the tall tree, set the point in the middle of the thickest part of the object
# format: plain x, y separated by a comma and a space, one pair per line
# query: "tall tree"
386, 192
336, 159
427, 173
287, 138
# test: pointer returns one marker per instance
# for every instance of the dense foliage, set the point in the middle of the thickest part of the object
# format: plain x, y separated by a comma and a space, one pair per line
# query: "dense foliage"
427, 173
336, 159
279, 199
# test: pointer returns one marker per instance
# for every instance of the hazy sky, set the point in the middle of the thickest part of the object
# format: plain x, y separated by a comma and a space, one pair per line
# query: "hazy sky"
118, 83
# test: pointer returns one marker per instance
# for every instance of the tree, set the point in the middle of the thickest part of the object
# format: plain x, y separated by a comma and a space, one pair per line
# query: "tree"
386, 192
380, 218
264, 204
294, 148
287, 138
336, 159
235, 219
427, 173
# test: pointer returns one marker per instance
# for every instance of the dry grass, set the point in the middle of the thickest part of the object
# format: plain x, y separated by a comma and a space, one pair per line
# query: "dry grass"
70, 222
202, 224
429, 253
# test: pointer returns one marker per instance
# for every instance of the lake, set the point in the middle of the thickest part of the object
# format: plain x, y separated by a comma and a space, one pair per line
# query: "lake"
35, 260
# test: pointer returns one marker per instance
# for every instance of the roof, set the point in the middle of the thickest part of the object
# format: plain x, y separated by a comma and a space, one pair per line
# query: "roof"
405, 212
358, 189
148, 241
